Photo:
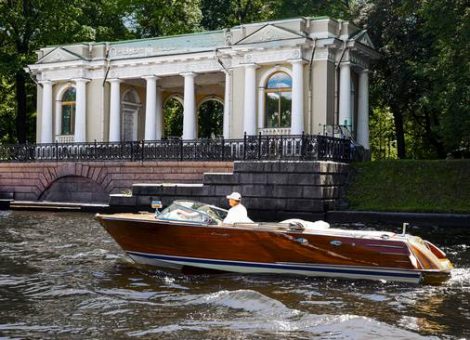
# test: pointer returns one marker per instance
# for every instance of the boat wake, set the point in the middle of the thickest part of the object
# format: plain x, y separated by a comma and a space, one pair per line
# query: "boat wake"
247, 311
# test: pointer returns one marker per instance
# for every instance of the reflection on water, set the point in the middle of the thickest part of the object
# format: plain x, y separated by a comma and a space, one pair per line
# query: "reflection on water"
61, 275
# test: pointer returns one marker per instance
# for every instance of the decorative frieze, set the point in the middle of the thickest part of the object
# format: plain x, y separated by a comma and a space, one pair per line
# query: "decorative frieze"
358, 60
272, 56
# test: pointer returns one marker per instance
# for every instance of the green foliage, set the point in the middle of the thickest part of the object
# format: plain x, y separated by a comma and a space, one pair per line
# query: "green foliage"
447, 26
423, 75
218, 14
339, 9
27, 25
210, 119
173, 118
409, 185
382, 136
150, 18
7, 125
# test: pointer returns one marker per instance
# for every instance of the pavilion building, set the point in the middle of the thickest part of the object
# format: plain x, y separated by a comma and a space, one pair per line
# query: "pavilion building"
280, 77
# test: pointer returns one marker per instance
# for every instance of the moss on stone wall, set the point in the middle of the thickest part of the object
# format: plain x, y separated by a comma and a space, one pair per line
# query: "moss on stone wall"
410, 185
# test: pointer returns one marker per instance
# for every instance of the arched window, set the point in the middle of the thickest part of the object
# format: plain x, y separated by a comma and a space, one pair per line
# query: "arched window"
68, 111
278, 100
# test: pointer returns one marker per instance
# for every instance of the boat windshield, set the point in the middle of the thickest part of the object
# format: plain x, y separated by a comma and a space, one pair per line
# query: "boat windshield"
195, 212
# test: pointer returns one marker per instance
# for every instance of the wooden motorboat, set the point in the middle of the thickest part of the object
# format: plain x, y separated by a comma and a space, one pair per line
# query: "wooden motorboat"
190, 234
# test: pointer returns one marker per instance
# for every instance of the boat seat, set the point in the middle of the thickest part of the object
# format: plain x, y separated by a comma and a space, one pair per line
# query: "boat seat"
308, 225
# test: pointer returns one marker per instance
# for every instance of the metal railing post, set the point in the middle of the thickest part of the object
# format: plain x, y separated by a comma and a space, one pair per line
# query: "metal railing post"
142, 153
259, 145
244, 145
181, 148
223, 148
132, 151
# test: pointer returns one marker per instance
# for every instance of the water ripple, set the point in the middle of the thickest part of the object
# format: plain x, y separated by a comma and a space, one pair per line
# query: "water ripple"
62, 276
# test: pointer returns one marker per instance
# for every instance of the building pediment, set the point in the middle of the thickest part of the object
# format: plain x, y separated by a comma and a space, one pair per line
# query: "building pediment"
269, 33
59, 54
363, 38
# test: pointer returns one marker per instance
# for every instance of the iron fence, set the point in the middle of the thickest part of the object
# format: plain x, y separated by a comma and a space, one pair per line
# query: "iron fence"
259, 147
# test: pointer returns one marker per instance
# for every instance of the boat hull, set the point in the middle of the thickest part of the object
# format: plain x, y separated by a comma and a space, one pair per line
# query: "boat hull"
260, 250
243, 267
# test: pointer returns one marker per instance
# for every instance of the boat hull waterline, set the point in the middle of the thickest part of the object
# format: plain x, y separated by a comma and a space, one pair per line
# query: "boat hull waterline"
276, 249
174, 262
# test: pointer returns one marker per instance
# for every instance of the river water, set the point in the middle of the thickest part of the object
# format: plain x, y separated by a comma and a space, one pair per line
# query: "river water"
62, 276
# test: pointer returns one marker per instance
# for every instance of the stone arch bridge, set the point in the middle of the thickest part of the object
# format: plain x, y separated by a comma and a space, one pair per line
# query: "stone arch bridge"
92, 182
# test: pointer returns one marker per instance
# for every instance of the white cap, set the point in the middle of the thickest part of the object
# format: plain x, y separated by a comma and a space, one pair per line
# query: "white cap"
234, 196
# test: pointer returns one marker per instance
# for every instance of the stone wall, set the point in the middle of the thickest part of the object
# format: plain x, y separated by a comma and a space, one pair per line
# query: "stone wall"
270, 189
29, 181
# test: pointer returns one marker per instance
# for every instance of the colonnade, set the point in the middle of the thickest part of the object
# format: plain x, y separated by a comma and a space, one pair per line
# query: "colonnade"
154, 110
345, 107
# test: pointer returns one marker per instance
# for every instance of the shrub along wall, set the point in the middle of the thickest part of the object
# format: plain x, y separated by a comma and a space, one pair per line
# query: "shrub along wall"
411, 186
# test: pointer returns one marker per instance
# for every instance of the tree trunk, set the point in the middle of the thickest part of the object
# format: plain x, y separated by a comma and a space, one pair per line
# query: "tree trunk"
21, 122
432, 138
399, 132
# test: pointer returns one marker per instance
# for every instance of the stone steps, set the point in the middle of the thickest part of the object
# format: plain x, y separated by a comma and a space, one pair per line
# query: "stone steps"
271, 188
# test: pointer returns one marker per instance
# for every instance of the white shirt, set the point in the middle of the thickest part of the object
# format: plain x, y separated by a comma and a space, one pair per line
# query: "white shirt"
237, 214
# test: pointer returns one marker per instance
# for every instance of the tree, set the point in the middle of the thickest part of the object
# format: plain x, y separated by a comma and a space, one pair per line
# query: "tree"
27, 25
150, 18
447, 26
423, 75
218, 14
339, 9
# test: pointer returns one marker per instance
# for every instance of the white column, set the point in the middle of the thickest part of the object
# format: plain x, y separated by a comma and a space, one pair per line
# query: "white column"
80, 111
297, 122
249, 116
115, 111
58, 117
159, 114
261, 104
189, 113
46, 121
345, 94
151, 108
363, 110
227, 103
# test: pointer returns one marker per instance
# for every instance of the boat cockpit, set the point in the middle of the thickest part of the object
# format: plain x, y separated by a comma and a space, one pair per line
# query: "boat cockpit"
194, 212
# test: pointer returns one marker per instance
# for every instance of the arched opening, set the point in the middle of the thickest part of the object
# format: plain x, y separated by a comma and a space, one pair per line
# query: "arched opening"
67, 107
173, 117
75, 189
278, 100
211, 118
130, 108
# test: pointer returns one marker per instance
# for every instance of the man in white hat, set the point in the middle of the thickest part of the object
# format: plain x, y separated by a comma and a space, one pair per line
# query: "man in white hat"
237, 213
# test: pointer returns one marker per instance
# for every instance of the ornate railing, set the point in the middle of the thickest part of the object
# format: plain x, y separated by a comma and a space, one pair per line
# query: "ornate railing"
259, 147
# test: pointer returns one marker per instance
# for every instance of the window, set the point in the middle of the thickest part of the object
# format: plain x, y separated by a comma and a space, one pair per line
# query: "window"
68, 112
278, 99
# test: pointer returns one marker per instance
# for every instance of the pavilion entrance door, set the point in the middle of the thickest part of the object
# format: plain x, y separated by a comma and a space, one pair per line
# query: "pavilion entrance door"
129, 124
130, 111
